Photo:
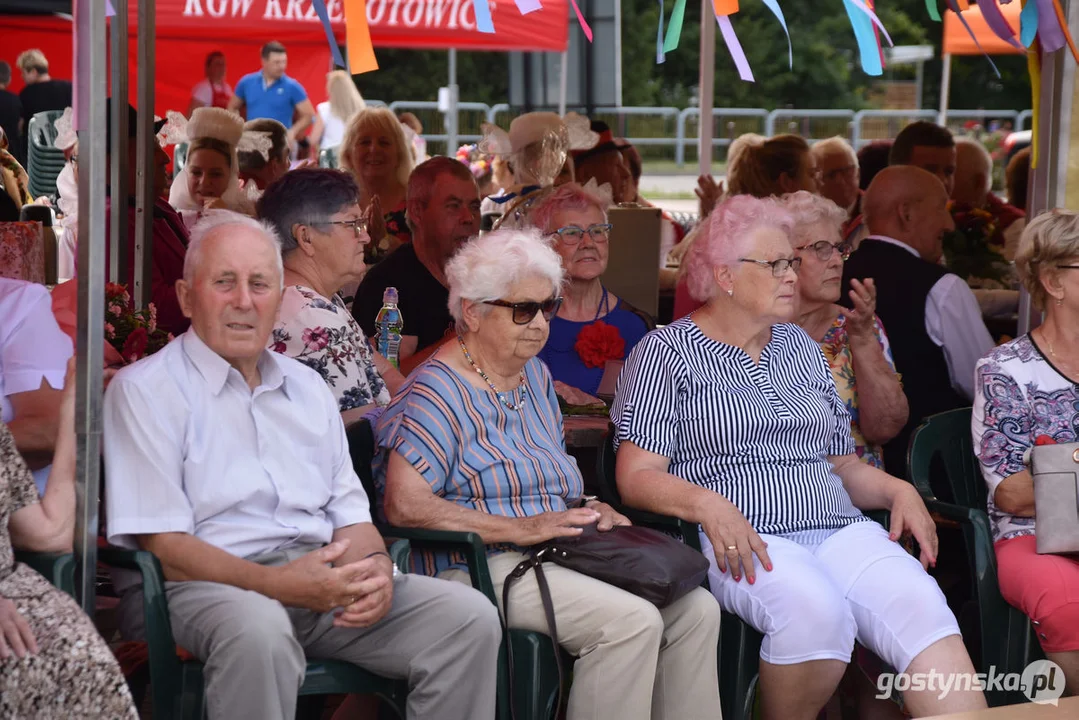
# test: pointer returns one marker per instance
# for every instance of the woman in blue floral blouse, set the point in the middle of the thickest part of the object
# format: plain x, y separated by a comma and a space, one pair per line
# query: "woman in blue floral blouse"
323, 233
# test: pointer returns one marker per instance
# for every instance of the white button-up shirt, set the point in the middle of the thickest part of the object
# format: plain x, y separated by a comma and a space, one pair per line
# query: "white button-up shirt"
190, 448
953, 321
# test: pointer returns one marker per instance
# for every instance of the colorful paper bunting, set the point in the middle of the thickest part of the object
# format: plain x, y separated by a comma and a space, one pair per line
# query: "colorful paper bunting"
527, 6
954, 5
361, 53
674, 30
863, 34
931, 6
778, 12
324, 18
1028, 23
483, 16
735, 47
1064, 28
997, 23
661, 56
580, 19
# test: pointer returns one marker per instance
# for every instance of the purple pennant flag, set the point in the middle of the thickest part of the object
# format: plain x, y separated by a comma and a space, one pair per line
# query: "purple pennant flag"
527, 6
1049, 32
997, 23
735, 48
109, 10
324, 17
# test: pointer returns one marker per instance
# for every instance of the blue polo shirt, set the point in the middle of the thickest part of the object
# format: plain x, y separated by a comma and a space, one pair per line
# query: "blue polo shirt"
275, 101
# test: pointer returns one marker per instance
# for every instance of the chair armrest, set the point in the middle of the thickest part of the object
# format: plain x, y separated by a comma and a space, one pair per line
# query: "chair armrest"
467, 543
57, 568
165, 666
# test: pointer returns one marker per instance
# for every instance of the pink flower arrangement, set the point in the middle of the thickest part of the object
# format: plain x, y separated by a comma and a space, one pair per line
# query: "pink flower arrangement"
132, 333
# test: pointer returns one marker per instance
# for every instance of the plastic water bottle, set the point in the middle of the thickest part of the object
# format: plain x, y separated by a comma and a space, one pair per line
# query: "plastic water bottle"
388, 325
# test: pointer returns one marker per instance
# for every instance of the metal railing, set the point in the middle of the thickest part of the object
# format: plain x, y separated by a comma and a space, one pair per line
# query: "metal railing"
669, 133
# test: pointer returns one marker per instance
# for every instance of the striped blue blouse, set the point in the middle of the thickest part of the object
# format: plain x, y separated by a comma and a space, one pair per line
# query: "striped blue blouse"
472, 450
757, 433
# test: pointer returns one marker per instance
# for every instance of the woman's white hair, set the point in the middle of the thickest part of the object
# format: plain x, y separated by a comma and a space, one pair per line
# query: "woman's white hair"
809, 209
490, 266
215, 220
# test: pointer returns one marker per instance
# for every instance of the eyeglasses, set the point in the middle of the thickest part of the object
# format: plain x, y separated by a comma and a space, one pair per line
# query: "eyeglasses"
824, 249
359, 225
834, 174
523, 312
1067, 267
779, 267
572, 235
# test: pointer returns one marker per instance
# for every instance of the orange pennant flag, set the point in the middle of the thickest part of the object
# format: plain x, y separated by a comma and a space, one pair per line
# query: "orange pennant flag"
725, 7
361, 53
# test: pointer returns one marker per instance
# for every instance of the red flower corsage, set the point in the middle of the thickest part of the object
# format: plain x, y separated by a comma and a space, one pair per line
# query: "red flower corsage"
599, 342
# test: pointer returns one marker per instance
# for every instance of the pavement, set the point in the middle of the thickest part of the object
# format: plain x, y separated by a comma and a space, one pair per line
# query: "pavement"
658, 189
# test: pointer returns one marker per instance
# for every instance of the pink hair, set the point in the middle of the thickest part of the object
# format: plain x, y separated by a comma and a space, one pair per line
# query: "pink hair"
727, 236
568, 197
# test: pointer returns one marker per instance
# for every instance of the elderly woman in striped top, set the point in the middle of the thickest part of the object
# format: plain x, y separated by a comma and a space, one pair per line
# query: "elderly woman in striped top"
729, 418
473, 442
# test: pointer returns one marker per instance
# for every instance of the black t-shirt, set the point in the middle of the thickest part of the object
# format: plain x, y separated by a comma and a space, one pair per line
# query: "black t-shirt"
10, 112
423, 300
42, 96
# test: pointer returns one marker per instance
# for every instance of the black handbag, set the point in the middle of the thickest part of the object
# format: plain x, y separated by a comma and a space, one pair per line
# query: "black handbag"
647, 563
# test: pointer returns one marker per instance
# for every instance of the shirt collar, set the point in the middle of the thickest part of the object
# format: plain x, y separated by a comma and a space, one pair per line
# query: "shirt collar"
267, 84
215, 369
897, 243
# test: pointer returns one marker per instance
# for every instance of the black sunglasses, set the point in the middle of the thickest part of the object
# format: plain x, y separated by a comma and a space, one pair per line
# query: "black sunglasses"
523, 312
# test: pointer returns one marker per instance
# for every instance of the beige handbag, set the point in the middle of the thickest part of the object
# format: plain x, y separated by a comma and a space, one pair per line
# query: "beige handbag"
1056, 497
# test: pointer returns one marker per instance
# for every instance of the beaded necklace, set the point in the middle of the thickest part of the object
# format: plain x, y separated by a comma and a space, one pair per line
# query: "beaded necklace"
521, 386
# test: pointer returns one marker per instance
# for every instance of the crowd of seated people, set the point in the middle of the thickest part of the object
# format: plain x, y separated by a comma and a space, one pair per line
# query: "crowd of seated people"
773, 413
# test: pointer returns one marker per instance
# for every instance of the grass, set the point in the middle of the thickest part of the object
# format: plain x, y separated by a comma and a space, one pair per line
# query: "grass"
669, 167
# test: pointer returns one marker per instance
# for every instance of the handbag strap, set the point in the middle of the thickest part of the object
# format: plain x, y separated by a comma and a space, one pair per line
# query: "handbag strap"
533, 562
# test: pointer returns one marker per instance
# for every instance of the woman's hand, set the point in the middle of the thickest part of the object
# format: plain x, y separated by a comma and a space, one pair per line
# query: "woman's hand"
376, 221
608, 516
707, 192
15, 634
860, 320
549, 525
734, 540
910, 516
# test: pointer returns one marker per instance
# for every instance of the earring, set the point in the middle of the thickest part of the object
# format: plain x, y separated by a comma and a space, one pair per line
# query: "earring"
730, 293
1060, 301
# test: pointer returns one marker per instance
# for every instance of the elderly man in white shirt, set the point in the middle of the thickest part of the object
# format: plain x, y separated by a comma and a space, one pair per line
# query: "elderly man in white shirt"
931, 316
229, 462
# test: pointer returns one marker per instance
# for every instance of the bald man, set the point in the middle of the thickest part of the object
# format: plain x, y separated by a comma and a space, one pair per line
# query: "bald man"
932, 318
973, 190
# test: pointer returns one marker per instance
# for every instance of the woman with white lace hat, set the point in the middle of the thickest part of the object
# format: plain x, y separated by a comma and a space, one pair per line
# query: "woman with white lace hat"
210, 177
536, 147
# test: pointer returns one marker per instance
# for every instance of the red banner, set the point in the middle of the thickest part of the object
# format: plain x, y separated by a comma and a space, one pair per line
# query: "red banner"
427, 24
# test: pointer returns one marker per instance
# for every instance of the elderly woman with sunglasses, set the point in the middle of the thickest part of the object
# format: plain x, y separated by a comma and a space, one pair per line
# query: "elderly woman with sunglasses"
474, 443
729, 419
853, 341
592, 325
323, 232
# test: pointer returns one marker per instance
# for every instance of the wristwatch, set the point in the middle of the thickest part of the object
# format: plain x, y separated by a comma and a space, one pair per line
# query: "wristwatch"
585, 499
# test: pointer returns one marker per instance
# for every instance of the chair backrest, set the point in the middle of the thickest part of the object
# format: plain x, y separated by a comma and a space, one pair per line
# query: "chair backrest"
941, 458
361, 447
44, 160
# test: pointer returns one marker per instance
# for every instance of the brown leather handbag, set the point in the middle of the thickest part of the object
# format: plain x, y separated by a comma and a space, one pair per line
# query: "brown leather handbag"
647, 563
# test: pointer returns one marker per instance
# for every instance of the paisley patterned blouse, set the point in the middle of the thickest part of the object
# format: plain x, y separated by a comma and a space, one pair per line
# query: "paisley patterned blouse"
322, 334
836, 347
1018, 396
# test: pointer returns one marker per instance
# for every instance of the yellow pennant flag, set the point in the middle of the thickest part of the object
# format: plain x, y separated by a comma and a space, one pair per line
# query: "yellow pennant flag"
361, 53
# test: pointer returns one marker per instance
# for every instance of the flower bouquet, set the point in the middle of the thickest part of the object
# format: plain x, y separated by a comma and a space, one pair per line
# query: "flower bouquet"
975, 250
133, 333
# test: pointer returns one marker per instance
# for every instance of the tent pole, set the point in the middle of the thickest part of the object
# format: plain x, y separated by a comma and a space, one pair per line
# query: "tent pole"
451, 117
90, 334
119, 265
562, 83
945, 88
1048, 180
144, 174
706, 87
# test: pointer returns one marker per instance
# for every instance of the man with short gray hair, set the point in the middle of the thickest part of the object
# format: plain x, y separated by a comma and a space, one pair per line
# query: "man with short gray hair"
974, 191
229, 462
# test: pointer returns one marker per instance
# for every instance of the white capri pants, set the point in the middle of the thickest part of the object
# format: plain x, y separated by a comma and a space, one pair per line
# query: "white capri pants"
856, 584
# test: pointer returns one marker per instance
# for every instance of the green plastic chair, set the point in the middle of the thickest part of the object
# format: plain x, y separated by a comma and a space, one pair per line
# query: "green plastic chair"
57, 568
43, 160
535, 680
941, 452
739, 643
176, 685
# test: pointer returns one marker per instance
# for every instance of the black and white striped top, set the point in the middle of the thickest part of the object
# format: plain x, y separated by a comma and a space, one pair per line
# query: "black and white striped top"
758, 434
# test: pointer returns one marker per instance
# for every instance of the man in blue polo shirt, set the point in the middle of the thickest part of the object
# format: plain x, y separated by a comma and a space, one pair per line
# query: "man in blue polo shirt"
272, 94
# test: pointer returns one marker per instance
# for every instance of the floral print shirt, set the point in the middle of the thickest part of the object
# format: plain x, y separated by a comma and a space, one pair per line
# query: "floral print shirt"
322, 334
836, 347
1018, 396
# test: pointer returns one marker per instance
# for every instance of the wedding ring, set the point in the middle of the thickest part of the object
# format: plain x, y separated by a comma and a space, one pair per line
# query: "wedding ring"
352, 600
732, 547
